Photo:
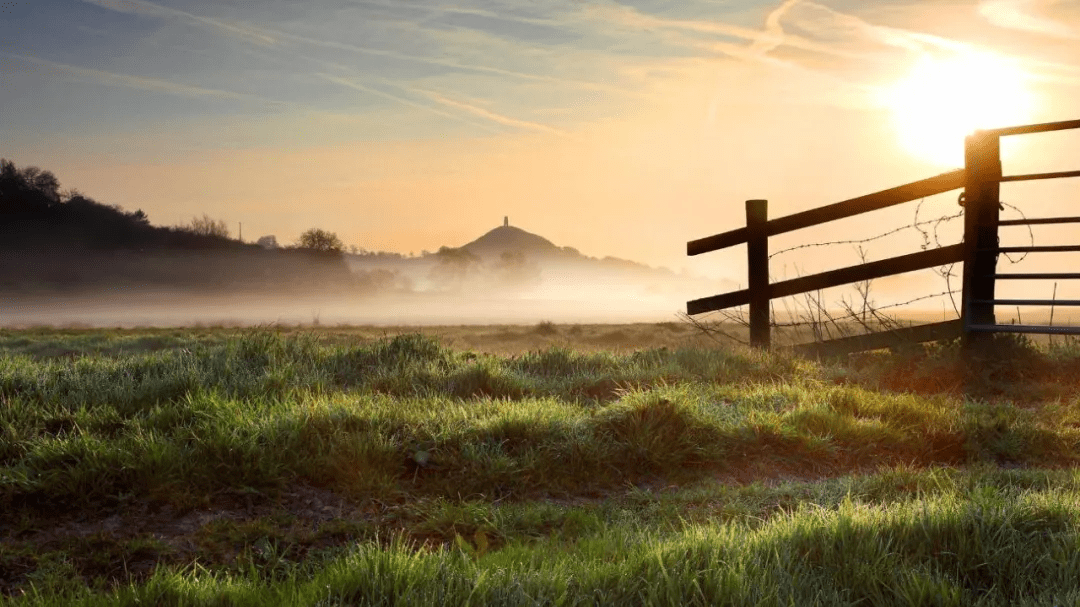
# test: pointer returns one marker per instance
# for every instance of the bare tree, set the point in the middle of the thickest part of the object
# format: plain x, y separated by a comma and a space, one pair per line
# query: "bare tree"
207, 226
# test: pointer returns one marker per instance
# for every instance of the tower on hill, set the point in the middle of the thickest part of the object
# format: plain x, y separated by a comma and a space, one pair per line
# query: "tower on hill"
506, 221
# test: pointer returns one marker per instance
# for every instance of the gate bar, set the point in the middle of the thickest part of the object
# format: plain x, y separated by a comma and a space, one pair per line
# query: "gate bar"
1034, 176
1058, 276
1037, 249
1039, 221
888, 338
1044, 127
1043, 329
1030, 302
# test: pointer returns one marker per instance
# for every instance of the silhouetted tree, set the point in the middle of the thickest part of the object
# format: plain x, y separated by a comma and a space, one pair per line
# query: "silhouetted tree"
320, 240
207, 226
28, 192
35, 213
267, 242
139, 217
43, 182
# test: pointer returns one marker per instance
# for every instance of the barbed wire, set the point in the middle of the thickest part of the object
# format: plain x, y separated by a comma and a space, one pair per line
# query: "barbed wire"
936, 222
930, 238
857, 241
1031, 234
945, 271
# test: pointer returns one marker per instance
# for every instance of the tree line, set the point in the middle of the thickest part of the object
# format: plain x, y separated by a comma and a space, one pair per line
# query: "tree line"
35, 213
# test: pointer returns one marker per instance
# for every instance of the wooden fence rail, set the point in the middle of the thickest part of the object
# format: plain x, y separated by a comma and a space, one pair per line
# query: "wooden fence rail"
840, 210
980, 178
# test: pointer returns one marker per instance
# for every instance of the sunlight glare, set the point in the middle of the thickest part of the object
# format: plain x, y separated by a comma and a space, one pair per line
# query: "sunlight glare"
941, 101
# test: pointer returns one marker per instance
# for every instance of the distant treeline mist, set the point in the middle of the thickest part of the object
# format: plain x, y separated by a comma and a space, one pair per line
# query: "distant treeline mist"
52, 240
57, 242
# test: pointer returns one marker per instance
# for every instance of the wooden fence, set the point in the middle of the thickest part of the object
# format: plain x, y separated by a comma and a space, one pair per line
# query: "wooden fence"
980, 179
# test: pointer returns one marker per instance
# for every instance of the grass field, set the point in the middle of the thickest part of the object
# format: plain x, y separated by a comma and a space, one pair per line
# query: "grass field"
546, 464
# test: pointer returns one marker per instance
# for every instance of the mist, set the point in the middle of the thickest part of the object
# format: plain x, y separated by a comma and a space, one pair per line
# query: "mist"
170, 309
417, 294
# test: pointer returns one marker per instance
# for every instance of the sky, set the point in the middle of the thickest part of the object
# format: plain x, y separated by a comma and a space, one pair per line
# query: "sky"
621, 128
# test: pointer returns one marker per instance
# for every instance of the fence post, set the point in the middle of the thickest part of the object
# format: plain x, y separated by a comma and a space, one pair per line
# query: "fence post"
757, 263
982, 158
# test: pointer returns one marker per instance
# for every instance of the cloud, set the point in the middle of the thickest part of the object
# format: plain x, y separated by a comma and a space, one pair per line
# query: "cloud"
444, 9
450, 63
880, 34
774, 31
490, 115
839, 25
268, 36
140, 83
143, 7
761, 40
349, 83
1017, 14
1053, 72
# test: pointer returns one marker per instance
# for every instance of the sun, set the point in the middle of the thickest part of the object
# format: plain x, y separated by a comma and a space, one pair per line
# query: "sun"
942, 100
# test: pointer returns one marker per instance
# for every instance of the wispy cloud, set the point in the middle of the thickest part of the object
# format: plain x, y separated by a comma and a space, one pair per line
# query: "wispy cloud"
449, 63
760, 40
1019, 15
616, 57
268, 36
463, 10
357, 86
1054, 72
881, 34
774, 30
138, 82
490, 115
143, 7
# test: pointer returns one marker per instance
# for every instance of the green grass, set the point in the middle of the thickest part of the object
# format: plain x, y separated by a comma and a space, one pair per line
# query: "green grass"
265, 467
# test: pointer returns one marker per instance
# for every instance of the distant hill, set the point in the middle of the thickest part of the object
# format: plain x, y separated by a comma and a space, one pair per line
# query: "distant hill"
536, 248
509, 257
508, 239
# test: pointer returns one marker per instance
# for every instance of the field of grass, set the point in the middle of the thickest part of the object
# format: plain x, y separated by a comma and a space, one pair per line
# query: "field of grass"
636, 465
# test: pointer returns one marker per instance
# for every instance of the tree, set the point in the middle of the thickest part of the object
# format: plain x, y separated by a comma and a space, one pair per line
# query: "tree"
43, 182
267, 242
320, 240
139, 217
453, 266
206, 226
27, 190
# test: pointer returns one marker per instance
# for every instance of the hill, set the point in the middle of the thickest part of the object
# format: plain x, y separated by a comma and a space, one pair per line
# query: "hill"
510, 239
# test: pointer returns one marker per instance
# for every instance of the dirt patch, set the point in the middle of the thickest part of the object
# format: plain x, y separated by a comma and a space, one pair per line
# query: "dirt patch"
302, 502
126, 544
